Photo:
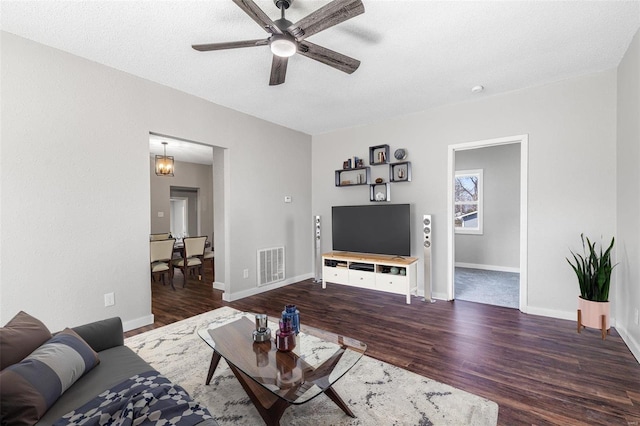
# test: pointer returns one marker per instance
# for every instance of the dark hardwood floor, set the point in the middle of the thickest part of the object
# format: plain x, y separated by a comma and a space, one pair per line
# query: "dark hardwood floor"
539, 370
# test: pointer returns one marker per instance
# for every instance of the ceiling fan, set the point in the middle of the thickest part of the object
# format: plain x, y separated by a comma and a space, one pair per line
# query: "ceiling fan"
286, 38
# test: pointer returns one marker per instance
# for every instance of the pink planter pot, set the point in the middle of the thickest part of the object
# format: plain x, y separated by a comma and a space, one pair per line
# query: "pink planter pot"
590, 314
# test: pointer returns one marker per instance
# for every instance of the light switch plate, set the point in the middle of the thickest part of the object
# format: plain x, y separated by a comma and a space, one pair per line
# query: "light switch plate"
287, 198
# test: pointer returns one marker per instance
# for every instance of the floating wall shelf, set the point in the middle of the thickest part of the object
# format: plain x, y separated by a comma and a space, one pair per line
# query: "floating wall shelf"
351, 177
400, 172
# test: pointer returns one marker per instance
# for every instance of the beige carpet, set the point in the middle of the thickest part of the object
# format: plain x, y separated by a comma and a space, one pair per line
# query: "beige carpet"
378, 393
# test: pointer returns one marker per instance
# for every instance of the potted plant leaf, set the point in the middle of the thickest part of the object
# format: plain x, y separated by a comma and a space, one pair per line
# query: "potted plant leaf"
593, 268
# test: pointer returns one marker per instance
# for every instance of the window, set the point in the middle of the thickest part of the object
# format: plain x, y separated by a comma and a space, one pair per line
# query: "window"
468, 202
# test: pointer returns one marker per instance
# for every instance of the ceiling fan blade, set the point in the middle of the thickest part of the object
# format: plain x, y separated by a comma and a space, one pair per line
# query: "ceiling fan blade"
278, 70
327, 16
252, 9
329, 57
229, 45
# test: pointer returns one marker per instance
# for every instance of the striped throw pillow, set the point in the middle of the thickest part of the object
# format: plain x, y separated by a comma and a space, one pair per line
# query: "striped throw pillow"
30, 387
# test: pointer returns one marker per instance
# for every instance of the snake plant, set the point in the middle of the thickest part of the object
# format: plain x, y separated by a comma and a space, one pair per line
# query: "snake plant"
593, 270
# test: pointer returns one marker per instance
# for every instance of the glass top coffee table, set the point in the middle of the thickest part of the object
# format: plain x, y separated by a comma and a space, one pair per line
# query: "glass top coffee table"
274, 380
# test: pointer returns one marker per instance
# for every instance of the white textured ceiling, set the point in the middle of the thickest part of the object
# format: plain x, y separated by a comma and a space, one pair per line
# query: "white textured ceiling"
181, 150
415, 54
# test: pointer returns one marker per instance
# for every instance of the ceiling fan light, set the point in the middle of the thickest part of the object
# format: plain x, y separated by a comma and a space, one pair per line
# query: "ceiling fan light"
283, 47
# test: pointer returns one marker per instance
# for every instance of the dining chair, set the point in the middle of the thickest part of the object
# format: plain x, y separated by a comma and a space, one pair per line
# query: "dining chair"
161, 253
192, 253
209, 256
159, 237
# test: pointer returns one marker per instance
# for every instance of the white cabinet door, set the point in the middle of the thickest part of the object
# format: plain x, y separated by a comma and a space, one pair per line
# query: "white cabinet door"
391, 283
363, 279
335, 275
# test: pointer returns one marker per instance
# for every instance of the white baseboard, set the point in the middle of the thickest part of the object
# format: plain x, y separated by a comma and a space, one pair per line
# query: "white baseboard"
632, 344
440, 296
230, 297
488, 267
551, 313
218, 285
137, 323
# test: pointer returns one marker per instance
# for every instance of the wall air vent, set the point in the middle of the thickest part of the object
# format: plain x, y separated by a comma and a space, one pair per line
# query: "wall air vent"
270, 265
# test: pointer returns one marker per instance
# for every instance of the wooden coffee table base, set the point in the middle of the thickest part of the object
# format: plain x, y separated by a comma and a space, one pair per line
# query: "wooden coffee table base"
270, 406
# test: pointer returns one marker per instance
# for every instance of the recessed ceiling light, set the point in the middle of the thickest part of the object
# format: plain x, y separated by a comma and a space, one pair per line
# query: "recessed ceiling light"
477, 89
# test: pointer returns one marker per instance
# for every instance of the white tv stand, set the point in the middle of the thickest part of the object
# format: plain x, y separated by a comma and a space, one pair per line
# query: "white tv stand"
372, 271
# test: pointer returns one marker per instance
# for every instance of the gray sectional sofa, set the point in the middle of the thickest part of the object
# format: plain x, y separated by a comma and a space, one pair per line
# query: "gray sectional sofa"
116, 364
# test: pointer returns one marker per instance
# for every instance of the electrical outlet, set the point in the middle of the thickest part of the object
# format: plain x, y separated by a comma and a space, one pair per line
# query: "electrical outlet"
636, 319
245, 273
109, 299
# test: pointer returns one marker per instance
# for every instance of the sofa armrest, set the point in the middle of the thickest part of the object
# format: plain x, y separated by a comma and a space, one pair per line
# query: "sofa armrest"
103, 334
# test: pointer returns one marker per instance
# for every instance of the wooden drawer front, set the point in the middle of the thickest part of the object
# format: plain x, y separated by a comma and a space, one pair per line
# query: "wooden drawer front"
362, 279
391, 283
335, 275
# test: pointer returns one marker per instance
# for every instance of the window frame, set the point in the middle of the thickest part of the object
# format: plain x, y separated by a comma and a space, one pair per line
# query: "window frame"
479, 229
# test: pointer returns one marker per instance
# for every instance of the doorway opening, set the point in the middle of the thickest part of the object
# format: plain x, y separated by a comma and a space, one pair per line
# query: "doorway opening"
192, 202
185, 207
179, 212
487, 229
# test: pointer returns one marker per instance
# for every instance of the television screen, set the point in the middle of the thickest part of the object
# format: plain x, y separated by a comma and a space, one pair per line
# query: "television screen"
378, 228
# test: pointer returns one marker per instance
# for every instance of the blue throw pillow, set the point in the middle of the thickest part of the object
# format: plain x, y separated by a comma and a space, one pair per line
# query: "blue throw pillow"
30, 387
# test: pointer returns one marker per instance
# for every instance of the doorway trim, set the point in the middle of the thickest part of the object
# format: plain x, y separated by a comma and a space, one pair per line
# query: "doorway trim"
523, 140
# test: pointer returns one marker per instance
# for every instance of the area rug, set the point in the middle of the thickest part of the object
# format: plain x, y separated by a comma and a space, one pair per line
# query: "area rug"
378, 393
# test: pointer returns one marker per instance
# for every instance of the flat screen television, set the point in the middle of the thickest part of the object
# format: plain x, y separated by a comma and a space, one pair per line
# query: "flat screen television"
376, 228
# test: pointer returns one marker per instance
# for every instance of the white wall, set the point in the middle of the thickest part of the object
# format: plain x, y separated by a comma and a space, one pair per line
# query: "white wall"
627, 286
499, 243
75, 186
572, 139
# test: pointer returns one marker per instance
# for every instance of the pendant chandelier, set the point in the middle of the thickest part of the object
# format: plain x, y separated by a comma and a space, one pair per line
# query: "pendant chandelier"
164, 163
